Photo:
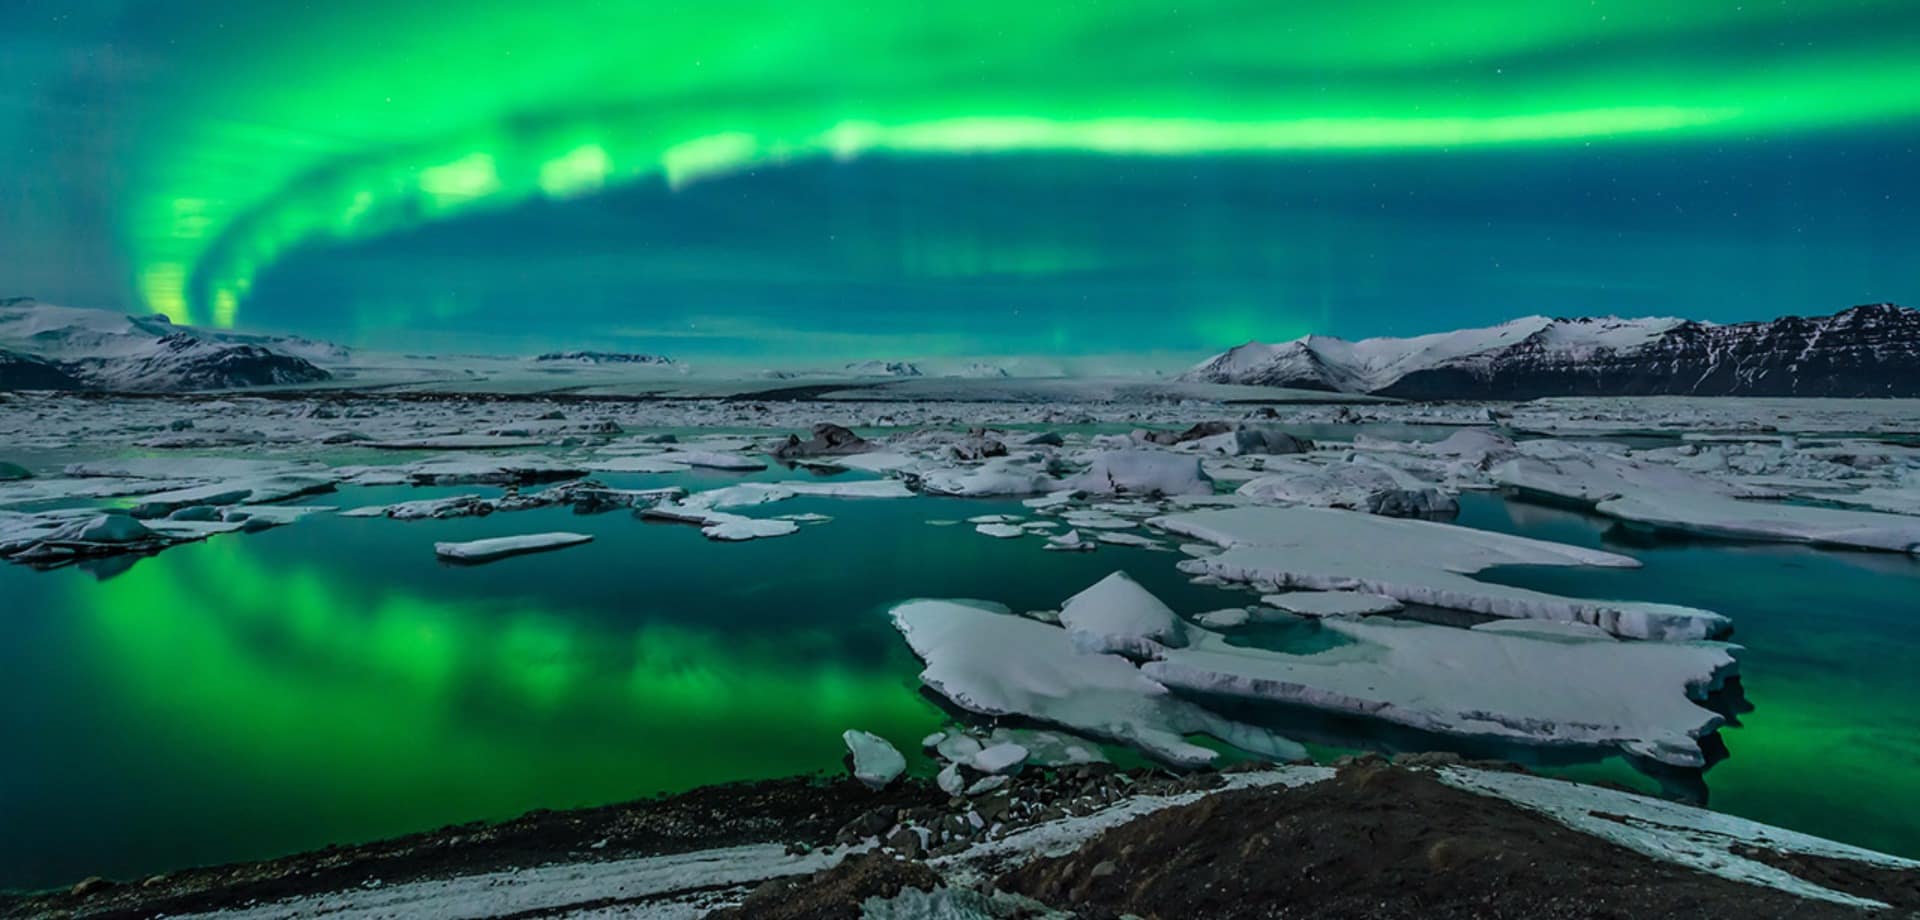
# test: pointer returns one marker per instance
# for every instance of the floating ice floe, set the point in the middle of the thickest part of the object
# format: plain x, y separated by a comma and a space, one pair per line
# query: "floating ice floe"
876, 762
713, 459
1043, 748
635, 464
1224, 618
1001, 531
584, 495
747, 494
721, 525
1332, 603
256, 490
1003, 757
1359, 486
55, 538
1417, 562
473, 469
1096, 520
501, 547
1534, 683
1732, 518
1584, 476
988, 661
455, 442
201, 469
1667, 498
1143, 472
999, 476
1071, 542
1117, 615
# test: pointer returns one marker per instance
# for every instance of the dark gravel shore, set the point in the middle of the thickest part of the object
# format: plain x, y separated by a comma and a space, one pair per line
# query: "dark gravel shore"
1377, 841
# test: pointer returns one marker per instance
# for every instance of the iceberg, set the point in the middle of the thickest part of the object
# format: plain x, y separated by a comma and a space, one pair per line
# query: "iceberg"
1737, 519
988, 661
1117, 615
1331, 603
501, 547
1143, 472
1533, 683
876, 762
1417, 562
999, 476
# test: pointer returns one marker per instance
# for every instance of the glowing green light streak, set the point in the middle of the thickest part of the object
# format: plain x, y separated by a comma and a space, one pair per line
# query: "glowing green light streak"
505, 106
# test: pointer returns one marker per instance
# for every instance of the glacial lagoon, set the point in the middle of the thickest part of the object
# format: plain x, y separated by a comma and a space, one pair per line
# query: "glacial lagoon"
331, 682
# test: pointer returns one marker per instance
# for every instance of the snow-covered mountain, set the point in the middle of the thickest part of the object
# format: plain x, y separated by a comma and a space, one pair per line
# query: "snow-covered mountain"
1869, 350
27, 372
981, 370
879, 368
47, 347
603, 357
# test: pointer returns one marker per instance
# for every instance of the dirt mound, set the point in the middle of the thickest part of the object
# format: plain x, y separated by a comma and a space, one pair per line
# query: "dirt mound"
1378, 842
835, 894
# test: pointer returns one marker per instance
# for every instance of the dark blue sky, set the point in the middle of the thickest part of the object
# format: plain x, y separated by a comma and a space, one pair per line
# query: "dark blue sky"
1083, 254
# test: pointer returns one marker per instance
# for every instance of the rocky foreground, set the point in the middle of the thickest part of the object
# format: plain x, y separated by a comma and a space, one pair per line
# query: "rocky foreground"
1430, 837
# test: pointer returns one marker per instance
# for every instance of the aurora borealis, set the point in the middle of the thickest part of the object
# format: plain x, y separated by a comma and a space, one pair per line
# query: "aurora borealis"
750, 179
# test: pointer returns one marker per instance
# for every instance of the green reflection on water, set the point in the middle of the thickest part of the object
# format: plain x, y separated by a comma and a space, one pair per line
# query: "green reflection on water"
328, 682
1832, 641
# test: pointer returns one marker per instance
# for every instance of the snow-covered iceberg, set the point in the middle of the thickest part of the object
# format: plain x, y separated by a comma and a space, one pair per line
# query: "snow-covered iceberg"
988, 661
1117, 615
1532, 683
501, 547
1417, 562
1143, 472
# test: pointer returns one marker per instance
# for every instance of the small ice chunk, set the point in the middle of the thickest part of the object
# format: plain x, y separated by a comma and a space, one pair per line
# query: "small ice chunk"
876, 762
1005, 757
949, 779
1225, 618
957, 746
986, 784
1332, 603
734, 528
1071, 542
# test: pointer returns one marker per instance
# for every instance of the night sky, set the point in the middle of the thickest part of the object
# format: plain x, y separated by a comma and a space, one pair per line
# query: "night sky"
1107, 181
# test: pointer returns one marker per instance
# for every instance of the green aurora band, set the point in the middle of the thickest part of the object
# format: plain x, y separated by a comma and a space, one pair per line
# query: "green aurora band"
366, 119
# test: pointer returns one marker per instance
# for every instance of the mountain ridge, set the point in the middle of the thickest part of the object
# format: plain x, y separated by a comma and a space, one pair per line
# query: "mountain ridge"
1872, 350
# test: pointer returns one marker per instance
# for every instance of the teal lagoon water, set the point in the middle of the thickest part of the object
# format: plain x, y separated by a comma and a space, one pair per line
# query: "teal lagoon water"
331, 682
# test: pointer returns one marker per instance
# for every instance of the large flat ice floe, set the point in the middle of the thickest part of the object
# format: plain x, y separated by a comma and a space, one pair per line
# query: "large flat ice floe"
501, 547
1732, 518
1531, 683
990, 662
1417, 562
1669, 498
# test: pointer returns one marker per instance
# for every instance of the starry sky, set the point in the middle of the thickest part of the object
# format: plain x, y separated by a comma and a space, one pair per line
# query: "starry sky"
1101, 180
